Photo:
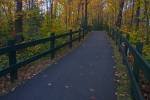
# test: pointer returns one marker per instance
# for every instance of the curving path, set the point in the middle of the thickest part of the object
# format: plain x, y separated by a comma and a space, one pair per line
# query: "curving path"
84, 74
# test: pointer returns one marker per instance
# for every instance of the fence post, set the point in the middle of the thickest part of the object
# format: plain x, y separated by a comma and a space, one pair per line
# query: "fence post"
124, 52
113, 34
116, 37
52, 45
80, 35
120, 38
70, 39
136, 70
139, 47
83, 32
12, 60
128, 36
109, 31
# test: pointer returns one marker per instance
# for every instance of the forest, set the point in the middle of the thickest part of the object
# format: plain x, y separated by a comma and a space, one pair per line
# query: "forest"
28, 20
33, 19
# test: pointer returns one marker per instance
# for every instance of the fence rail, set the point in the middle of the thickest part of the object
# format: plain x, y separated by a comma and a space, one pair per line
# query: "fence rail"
132, 58
11, 49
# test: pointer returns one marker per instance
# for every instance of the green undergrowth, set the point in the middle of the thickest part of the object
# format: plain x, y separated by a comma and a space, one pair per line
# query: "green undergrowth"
122, 79
31, 70
29, 52
146, 52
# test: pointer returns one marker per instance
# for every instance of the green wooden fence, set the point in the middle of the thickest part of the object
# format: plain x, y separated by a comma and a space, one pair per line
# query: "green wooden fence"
138, 64
11, 49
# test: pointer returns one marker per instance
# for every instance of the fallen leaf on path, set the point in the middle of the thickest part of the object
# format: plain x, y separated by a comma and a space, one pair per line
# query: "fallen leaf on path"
13, 89
49, 84
67, 86
91, 90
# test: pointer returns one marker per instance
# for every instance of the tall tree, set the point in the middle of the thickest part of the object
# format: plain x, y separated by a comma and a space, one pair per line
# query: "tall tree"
137, 17
19, 17
146, 3
132, 16
119, 18
86, 15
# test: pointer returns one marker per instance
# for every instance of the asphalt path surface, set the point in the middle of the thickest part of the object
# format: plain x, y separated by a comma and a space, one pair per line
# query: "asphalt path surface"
85, 74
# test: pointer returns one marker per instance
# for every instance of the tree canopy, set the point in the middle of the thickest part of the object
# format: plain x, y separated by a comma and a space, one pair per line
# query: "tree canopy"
33, 18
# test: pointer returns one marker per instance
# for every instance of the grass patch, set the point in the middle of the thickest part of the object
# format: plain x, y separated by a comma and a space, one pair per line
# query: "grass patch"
122, 79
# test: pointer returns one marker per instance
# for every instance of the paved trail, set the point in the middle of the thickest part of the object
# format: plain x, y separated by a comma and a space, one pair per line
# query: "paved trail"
84, 74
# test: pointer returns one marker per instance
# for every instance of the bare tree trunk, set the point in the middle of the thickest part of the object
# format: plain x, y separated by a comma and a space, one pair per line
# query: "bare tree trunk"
66, 19
147, 20
29, 4
82, 24
69, 13
47, 7
137, 18
132, 17
19, 17
52, 3
119, 18
86, 16
78, 14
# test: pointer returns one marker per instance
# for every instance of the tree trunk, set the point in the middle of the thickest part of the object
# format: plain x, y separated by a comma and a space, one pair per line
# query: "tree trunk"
66, 17
86, 16
147, 20
52, 13
82, 21
132, 17
119, 18
19, 17
137, 18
